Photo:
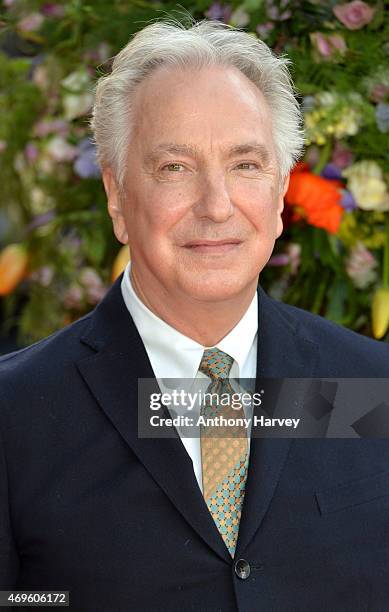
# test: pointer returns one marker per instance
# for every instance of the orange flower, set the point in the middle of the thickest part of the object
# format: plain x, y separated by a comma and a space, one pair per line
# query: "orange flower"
317, 200
13, 267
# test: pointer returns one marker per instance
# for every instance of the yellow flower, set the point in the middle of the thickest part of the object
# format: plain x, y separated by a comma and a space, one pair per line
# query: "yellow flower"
309, 121
121, 260
380, 312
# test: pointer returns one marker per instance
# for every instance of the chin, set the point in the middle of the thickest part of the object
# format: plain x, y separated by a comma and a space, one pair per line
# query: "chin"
215, 287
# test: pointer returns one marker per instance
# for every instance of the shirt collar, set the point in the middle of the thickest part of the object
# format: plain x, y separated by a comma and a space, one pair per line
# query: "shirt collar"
174, 355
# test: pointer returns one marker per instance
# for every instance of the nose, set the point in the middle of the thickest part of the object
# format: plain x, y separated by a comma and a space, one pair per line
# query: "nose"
214, 202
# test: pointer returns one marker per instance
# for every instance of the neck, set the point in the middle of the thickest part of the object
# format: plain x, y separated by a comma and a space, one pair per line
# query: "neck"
204, 322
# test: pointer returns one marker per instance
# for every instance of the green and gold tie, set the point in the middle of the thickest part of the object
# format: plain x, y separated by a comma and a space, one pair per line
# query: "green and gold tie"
224, 451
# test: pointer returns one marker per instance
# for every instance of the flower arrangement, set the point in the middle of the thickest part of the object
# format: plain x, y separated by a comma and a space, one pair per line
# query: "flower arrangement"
58, 253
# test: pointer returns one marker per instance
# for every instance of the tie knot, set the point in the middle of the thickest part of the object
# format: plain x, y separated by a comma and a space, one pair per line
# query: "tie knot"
216, 363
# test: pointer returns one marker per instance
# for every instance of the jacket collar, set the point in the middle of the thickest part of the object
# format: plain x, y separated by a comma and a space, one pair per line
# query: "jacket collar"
112, 370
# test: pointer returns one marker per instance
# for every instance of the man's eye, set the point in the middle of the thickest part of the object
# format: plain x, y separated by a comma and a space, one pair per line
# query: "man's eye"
172, 166
248, 164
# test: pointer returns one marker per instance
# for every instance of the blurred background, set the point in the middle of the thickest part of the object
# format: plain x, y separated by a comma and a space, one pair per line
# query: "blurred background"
58, 253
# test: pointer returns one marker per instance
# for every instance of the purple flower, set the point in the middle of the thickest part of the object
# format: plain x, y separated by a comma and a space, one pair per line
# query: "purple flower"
312, 156
31, 152
274, 12
341, 156
263, 29
331, 171
51, 126
40, 220
282, 259
382, 117
53, 10
219, 12
348, 202
86, 163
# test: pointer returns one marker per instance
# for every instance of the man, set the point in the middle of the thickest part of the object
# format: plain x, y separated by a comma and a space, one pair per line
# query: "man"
197, 131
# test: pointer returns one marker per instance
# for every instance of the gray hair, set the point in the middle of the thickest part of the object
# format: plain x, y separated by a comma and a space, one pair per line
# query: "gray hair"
205, 43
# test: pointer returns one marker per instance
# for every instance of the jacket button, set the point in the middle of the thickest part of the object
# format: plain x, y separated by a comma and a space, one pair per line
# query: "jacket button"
242, 569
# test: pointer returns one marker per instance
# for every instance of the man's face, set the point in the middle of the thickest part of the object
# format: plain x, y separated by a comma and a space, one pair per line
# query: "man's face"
201, 206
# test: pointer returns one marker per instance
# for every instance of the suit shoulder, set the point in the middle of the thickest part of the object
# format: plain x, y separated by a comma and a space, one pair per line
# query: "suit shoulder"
348, 350
53, 351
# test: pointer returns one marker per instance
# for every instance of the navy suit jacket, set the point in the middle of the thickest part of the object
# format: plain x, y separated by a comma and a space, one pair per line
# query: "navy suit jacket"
119, 521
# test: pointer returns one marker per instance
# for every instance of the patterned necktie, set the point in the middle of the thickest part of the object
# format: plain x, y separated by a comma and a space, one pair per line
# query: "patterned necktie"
224, 452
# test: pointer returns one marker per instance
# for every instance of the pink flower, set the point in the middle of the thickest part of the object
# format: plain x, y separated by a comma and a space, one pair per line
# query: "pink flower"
94, 287
51, 126
294, 251
342, 157
43, 275
360, 266
292, 256
312, 156
60, 150
31, 152
263, 29
73, 298
328, 44
378, 93
53, 10
99, 54
219, 12
31, 22
337, 41
354, 15
321, 43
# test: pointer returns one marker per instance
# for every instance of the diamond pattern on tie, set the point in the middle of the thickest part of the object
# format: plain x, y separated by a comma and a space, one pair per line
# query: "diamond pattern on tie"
215, 363
224, 453
226, 503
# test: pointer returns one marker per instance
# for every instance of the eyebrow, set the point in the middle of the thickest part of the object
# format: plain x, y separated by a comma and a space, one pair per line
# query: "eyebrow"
258, 148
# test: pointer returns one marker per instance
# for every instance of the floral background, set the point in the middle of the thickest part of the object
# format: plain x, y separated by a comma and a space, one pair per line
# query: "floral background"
58, 254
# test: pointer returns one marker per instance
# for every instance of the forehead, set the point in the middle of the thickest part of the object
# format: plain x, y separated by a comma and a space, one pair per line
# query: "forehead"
205, 104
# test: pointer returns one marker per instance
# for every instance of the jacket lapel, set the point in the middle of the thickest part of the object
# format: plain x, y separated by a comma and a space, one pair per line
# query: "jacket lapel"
282, 352
111, 373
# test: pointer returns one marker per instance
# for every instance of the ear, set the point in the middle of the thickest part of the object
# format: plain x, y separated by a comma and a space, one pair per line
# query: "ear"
280, 205
115, 205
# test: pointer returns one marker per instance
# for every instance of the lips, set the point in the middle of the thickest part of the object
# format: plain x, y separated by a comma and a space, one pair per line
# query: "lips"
212, 243
213, 247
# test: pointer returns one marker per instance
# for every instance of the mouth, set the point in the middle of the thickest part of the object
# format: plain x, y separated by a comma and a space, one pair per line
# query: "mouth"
213, 246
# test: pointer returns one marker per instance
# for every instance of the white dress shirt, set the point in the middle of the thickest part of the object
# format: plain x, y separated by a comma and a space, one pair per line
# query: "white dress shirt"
173, 355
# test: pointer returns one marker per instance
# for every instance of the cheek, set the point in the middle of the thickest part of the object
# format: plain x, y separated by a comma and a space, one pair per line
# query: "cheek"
258, 205
155, 211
